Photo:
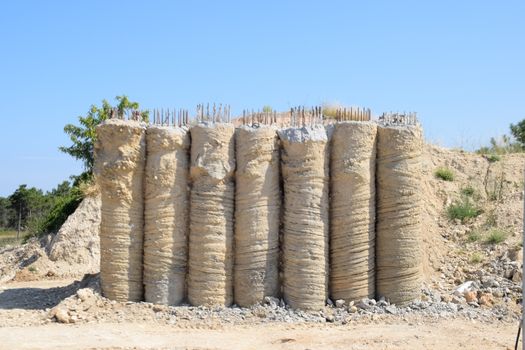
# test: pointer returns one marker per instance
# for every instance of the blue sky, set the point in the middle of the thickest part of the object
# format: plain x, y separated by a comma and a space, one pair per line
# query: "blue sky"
459, 64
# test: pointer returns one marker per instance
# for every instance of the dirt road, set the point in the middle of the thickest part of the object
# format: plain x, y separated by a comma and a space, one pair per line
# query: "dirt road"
444, 334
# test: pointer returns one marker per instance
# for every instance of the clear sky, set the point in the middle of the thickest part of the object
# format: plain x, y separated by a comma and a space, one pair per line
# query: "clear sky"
459, 64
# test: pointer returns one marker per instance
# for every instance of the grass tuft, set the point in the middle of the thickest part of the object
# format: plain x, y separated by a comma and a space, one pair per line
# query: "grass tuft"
473, 236
496, 236
476, 258
462, 210
492, 158
444, 174
468, 191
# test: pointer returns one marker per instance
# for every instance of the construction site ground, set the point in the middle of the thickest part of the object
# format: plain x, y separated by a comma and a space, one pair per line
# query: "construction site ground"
412, 332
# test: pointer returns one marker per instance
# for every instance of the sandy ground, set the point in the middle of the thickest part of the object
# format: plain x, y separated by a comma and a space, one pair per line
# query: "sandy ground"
431, 334
445, 334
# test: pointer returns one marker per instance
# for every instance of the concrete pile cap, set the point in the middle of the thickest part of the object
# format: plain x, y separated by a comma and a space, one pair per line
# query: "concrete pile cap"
212, 161
304, 134
212, 124
123, 122
168, 130
258, 126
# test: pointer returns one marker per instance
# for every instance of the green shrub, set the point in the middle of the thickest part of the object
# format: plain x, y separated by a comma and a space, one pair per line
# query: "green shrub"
462, 210
503, 144
473, 236
496, 236
476, 258
267, 109
330, 109
492, 158
444, 174
468, 191
51, 223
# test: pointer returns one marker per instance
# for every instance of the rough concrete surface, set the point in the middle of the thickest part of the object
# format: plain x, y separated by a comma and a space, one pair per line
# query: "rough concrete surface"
305, 168
119, 171
398, 229
352, 209
257, 215
77, 241
210, 280
166, 211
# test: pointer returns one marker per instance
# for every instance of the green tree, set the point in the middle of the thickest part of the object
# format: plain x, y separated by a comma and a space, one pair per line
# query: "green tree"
36, 212
62, 189
83, 136
26, 203
518, 131
6, 213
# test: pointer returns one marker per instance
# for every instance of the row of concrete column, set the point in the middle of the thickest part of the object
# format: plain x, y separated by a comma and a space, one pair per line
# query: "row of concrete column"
216, 215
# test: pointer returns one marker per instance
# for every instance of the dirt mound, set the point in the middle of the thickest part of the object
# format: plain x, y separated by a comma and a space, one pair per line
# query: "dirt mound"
77, 240
72, 252
497, 191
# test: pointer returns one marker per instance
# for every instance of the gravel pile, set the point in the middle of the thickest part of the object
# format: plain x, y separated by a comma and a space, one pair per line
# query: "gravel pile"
87, 306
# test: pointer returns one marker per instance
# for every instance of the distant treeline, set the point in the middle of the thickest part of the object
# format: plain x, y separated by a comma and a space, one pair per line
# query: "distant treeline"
33, 210
514, 143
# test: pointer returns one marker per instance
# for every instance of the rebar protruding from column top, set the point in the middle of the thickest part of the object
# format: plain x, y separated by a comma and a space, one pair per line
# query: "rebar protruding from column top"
396, 118
215, 113
352, 114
